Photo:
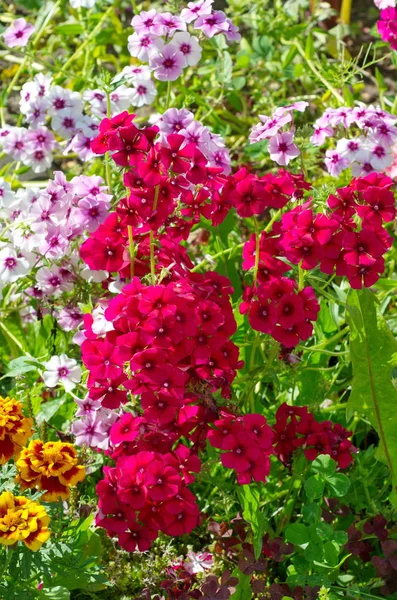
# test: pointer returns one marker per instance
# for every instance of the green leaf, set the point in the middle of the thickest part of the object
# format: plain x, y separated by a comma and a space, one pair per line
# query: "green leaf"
249, 496
331, 553
324, 465
314, 487
243, 589
297, 534
314, 552
311, 512
339, 484
20, 365
373, 352
70, 29
56, 593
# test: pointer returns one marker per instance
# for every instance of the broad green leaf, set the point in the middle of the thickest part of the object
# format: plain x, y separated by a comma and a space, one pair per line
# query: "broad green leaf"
339, 484
373, 351
297, 534
314, 487
324, 465
311, 512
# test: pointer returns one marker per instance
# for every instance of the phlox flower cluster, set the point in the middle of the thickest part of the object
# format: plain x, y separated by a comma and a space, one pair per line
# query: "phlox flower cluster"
93, 422
163, 39
171, 183
349, 241
147, 490
41, 226
279, 130
51, 467
22, 520
246, 443
15, 429
367, 146
251, 194
387, 24
296, 427
279, 309
63, 120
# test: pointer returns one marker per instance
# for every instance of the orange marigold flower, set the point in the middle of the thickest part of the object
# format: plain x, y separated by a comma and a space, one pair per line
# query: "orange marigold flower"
15, 429
51, 466
22, 520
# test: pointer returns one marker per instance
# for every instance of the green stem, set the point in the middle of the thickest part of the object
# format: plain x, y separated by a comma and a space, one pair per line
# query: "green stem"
272, 221
316, 72
257, 249
88, 39
346, 11
131, 250
168, 98
217, 255
151, 237
330, 340
301, 276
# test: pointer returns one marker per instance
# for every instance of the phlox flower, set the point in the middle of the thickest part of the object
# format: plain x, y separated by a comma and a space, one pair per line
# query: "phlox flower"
65, 122
335, 163
189, 46
6, 194
142, 45
321, 134
168, 63
12, 265
18, 33
132, 72
387, 26
232, 34
70, 318
51, 280
61, 369
171, 23
59, 98
93, 428
15, 143
38, 159
35, 112
174, 119
148, 22
143, 91
282, 148
211, 24
196, 9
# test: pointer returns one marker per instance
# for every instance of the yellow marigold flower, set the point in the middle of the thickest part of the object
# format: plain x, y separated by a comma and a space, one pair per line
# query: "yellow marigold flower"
22, 520
15, 429
52, 467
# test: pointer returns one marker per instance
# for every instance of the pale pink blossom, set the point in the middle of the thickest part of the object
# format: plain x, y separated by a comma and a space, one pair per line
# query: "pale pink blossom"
168, 64
335, 163
189, 46
282, 148
211, 24
18, 33
148, 22
196, 9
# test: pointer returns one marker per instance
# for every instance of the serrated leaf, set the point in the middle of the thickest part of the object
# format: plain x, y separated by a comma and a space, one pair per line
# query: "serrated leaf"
373, 352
